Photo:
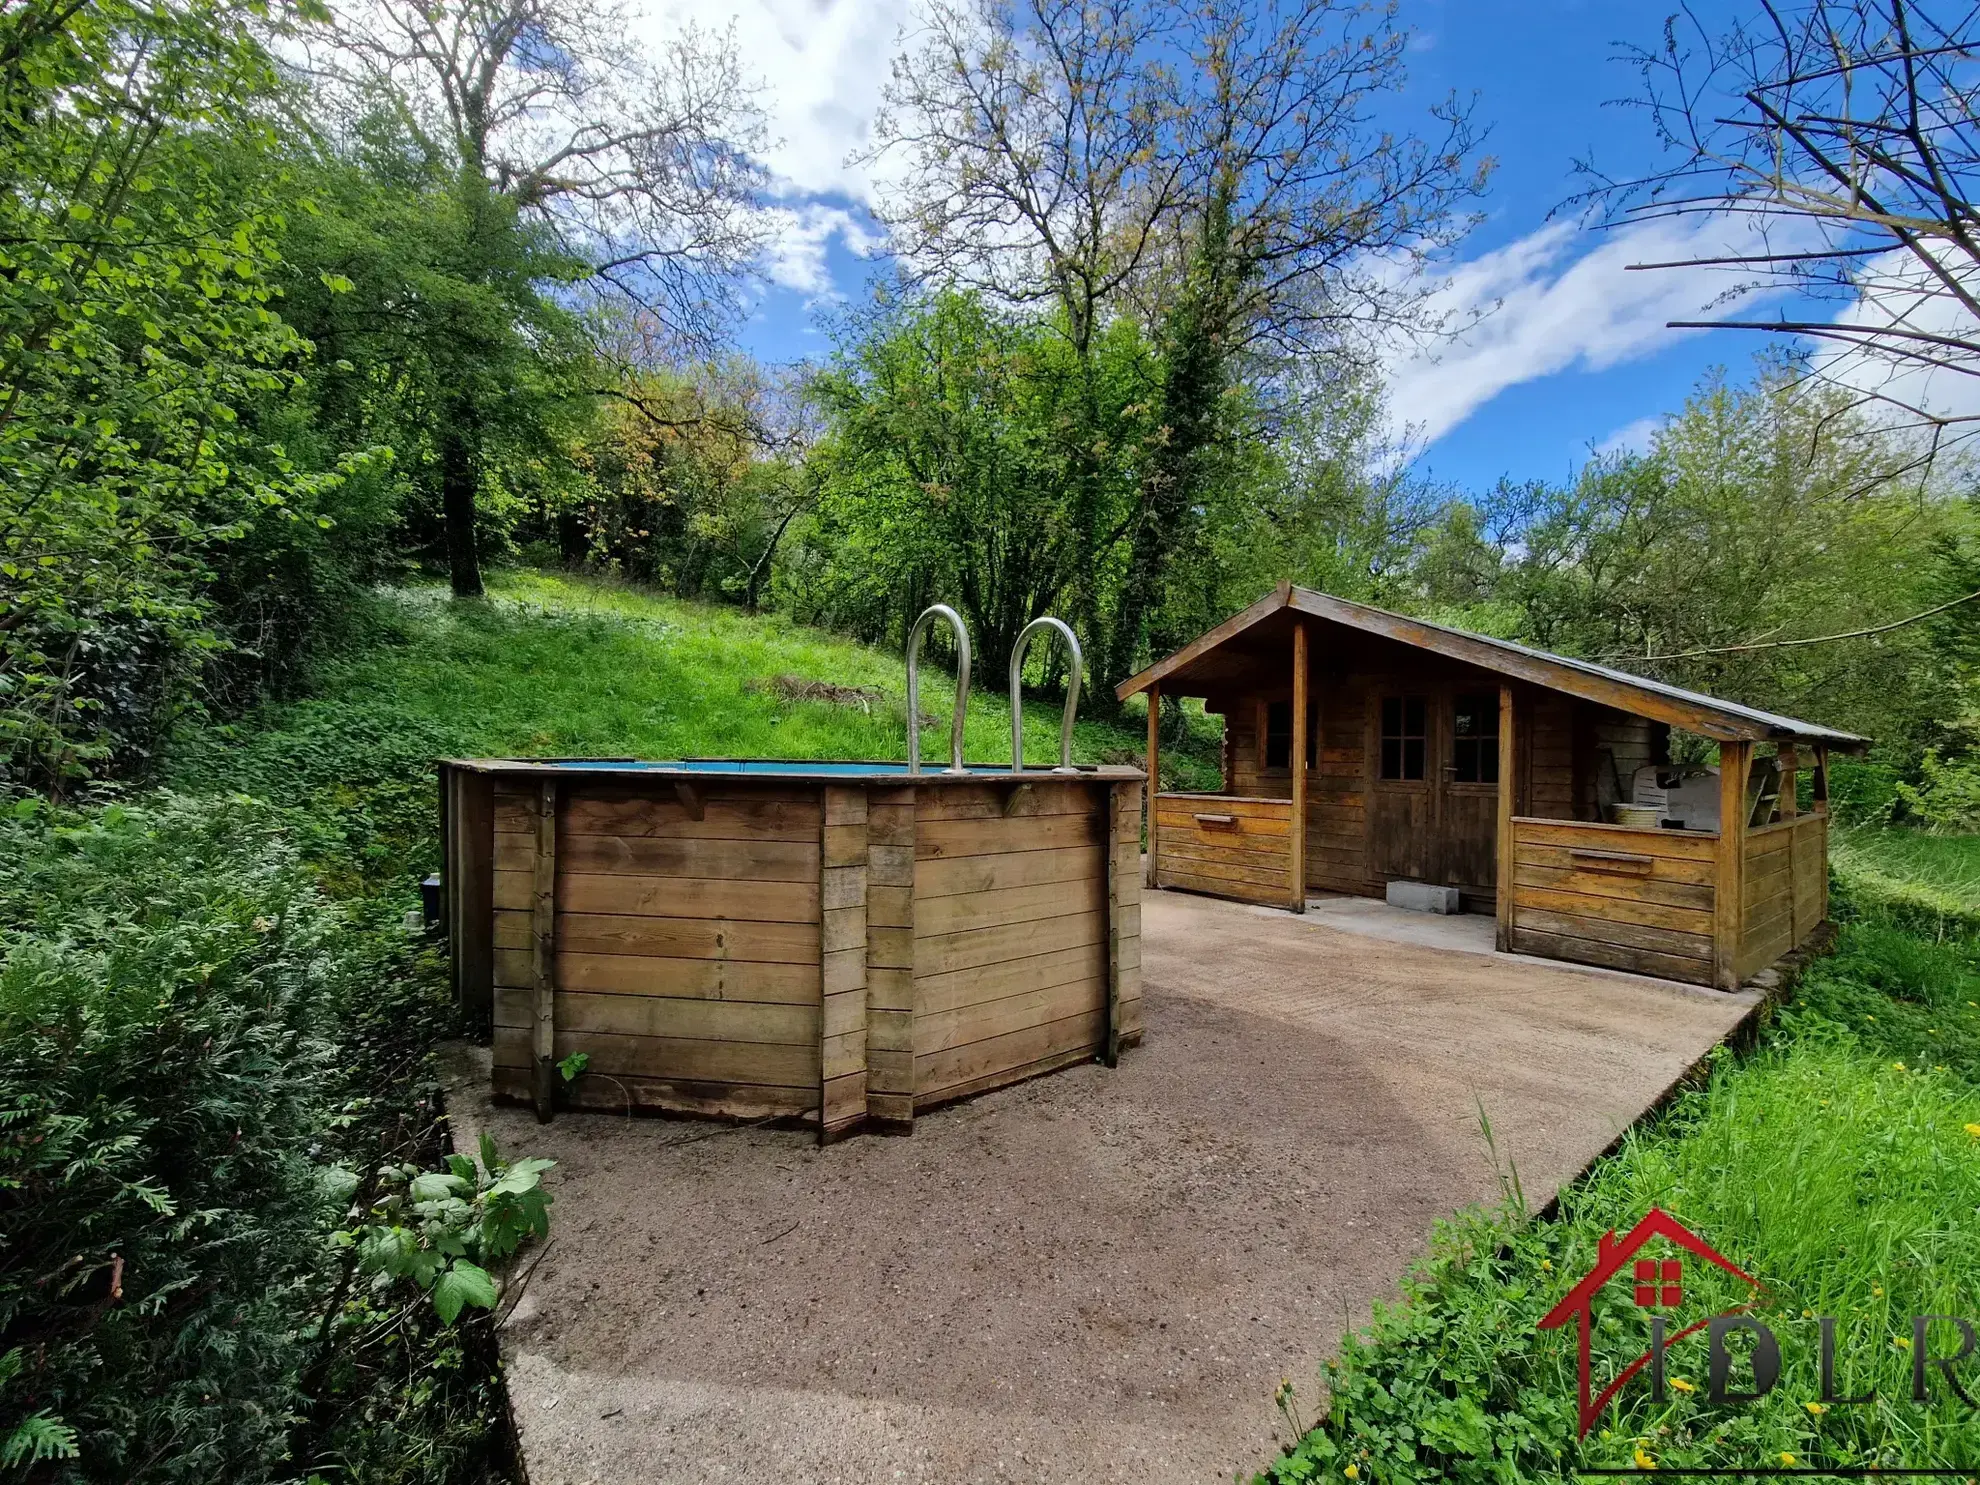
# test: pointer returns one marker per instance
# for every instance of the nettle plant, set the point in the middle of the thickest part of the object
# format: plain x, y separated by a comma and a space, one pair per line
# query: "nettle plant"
443, 1230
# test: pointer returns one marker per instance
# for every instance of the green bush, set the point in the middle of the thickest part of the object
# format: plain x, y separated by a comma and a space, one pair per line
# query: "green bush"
199, 1053
165, 1061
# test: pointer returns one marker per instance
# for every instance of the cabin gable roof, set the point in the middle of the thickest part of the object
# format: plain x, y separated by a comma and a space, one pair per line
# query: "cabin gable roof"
1711, 716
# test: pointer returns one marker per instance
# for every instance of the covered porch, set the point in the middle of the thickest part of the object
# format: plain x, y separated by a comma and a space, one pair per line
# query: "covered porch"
1363, 748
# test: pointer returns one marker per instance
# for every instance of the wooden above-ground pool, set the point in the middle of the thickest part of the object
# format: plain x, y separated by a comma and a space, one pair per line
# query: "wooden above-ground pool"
849, 941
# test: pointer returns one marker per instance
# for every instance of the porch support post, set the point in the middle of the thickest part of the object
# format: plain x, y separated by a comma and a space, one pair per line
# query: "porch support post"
1297, 854
1502, 888
1729, 893
1154, 779
1818, 793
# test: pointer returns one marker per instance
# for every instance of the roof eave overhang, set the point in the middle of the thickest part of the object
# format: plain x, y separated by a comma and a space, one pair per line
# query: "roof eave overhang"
1554, 675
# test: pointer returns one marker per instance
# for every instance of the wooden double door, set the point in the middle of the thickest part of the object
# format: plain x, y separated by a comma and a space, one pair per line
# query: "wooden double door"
1433, 785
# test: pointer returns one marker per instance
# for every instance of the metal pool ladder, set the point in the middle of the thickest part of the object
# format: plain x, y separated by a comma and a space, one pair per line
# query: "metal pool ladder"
1075, 667
928, 616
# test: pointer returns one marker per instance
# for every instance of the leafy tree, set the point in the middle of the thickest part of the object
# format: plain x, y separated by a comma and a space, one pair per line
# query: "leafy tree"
1215, 171
1761, 514
137, 232
944, 468
693, 479
430, 303
546, 114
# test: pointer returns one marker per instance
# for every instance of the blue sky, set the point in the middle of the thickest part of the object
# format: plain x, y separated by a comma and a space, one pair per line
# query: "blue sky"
1576, 354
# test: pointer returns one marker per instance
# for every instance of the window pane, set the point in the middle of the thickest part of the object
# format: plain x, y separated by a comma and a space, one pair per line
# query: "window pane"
1278, 734
1391, 758
1392, 711
1413, 714
1488, 761
1464, 760
1412, 758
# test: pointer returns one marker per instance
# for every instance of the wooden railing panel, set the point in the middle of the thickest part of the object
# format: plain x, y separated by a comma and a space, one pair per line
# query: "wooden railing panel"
1613, 895
1784, 892
1226, 845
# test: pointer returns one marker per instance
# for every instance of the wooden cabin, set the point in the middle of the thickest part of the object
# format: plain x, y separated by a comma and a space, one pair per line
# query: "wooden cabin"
1363, 748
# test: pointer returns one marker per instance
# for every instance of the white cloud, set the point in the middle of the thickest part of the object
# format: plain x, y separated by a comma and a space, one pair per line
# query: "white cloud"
1633, 437
822, 64
1549, 308
1900, 292
800, 236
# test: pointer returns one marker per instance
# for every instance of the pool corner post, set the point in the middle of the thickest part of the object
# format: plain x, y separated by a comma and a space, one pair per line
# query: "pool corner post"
842, 1019
1123, 805
543, 950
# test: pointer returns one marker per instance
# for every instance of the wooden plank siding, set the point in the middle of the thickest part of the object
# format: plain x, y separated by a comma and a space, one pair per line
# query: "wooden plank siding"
1784, 889
1638, 900
1226, 845
842, 950
690, 981
1012, 933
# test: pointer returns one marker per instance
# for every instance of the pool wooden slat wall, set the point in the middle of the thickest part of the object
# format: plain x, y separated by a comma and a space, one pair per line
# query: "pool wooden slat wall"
1002, 997
671, 1012
850, 950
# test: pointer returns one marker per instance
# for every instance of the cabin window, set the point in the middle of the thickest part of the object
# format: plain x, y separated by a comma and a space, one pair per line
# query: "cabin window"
1475, 739
1403, 733
1278, 735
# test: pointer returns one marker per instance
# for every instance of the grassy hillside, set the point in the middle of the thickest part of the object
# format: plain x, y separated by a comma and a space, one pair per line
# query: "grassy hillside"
560, 666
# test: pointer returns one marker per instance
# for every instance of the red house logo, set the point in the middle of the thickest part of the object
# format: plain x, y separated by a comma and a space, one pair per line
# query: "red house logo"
1656, 1284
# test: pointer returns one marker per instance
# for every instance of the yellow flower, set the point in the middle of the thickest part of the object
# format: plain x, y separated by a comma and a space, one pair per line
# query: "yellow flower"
1353, 1472
1876, 1291
1902, 1342
1818, 1409
1787, 1459
1546, 1265
1897, 1067
1807, 1314
1869, 1018
1682, 1385
1974, 1130
1644, 1461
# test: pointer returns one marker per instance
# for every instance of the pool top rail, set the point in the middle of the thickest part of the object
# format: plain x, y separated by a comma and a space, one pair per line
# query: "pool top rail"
817, 770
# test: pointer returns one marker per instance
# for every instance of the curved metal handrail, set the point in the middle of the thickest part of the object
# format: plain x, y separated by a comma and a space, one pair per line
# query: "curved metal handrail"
1076, 667
928, 615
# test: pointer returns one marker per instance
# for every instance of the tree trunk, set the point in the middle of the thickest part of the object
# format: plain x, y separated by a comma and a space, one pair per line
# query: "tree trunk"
459, 479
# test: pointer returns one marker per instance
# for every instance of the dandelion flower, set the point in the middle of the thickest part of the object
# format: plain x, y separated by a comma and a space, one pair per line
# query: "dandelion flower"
1974, 1130
1546, 1265
1818, 1409
1876, 1291
1644, 1460
1897, 1067
1353, 1472
1902, 1342
1787, 1459
1682, 1385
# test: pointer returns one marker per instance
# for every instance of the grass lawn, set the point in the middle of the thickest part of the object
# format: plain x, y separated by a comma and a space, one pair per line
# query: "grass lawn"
1838, 1162
1935, 875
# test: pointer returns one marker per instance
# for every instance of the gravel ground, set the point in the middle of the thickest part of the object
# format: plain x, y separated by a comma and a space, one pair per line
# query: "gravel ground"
1096, 1276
